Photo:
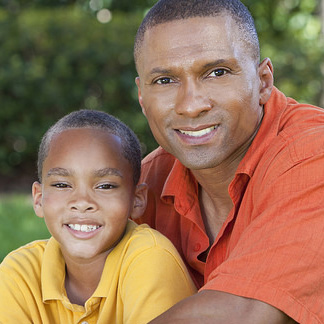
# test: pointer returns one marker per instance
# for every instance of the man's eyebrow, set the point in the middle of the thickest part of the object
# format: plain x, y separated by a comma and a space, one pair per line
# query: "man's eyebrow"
58, 172
108, 171
158, 70
214, 63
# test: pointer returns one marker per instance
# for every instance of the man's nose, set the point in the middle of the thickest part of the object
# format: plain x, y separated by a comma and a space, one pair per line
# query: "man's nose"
192, 100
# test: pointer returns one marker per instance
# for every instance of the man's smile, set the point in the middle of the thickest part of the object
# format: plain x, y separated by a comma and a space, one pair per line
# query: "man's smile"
198, 133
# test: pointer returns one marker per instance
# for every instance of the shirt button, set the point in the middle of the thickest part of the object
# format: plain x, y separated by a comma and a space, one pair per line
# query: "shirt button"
197, 247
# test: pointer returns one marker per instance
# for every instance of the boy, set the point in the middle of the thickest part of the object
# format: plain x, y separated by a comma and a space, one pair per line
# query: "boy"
98, 266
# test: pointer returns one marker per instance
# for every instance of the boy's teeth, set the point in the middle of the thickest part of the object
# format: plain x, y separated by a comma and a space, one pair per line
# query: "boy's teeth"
83, 228
198, 133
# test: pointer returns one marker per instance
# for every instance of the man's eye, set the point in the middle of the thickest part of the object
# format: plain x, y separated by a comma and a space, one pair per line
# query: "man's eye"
163, 81
218, 73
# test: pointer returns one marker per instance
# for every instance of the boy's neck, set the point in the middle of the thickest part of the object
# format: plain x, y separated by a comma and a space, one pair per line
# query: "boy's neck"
82, 279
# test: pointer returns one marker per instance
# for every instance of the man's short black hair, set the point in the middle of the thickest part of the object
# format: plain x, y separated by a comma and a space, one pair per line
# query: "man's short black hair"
169, 10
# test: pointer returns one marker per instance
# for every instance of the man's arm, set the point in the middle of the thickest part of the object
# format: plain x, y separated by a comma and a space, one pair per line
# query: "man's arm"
213, 307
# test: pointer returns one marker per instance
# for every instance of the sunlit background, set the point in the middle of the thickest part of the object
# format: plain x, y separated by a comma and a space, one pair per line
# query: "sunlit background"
62, 55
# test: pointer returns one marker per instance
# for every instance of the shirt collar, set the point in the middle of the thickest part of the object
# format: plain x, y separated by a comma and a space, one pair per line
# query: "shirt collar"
53, 272
112, 263
53, 269
270, 126
180, 188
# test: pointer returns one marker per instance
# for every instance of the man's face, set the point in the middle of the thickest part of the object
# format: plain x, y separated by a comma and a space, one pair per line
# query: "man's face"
199, 88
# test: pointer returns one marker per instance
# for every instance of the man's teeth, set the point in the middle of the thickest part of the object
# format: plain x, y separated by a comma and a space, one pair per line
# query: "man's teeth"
83, 228
198, 133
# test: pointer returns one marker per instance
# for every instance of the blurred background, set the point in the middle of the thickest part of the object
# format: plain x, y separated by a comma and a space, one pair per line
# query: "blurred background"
57, 56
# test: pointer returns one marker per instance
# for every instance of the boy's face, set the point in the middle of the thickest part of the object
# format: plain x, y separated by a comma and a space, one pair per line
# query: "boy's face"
87, 192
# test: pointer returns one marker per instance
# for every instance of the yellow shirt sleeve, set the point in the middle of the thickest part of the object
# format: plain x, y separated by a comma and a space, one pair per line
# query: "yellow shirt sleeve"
20, 290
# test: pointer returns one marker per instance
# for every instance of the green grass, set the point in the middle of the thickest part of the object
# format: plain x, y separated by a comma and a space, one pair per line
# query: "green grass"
19, 224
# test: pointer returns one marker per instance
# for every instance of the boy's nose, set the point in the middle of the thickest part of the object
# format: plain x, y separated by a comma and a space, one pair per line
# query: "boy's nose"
82, 202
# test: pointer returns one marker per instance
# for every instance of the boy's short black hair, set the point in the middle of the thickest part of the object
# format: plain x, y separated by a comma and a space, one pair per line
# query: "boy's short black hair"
97, 120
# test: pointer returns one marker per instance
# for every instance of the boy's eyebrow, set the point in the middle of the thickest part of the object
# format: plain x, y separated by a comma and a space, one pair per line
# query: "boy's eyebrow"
58, 171
98, 173
108, 171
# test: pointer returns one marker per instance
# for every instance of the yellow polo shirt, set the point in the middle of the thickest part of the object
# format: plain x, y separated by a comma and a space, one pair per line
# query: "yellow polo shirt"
143, 276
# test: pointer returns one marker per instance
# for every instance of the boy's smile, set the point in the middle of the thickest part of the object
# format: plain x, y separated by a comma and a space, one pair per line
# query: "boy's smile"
83, 230
87, 193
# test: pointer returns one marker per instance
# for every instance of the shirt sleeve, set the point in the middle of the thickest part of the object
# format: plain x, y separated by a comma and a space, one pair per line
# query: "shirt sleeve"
13, 304
279, 256
155, 280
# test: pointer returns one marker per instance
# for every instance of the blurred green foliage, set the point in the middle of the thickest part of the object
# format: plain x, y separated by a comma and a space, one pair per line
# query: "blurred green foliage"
290, 34
19, 224
58, 60
57, 57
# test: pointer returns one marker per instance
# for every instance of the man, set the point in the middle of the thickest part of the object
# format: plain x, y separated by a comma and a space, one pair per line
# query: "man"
238, 182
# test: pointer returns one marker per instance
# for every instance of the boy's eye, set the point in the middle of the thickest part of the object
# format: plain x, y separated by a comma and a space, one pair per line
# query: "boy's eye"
106, 186
60, 185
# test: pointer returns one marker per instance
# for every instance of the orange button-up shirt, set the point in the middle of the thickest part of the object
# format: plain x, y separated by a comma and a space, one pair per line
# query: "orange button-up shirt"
271, 247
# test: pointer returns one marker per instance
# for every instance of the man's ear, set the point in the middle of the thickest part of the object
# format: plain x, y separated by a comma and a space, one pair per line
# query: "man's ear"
266, 80
140, 201
139, 93
37, 199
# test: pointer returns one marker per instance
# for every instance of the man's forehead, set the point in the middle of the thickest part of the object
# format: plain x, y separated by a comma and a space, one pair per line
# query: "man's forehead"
217, 20
180, 32
188, 36
202, 35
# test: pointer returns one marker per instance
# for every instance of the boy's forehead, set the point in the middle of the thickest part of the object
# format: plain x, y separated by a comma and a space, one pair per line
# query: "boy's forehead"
84, 139
82, 133
86, 150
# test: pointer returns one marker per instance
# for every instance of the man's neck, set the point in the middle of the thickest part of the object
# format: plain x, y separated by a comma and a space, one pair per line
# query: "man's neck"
215, 201
215, 206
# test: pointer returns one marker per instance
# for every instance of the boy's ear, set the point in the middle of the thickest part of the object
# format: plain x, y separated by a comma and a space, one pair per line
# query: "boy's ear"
140, 201
37, 199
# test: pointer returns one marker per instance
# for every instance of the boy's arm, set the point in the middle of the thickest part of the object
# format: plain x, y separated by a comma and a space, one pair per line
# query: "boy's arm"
155, 280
